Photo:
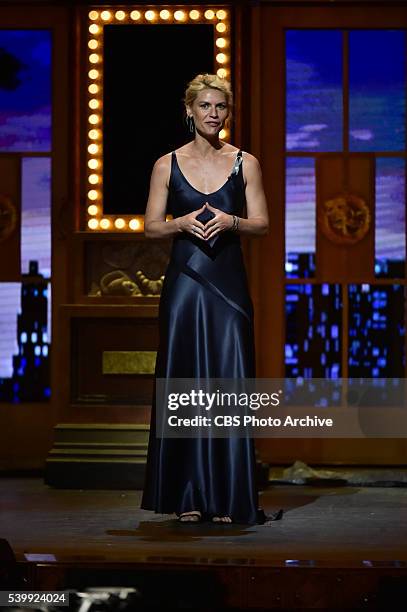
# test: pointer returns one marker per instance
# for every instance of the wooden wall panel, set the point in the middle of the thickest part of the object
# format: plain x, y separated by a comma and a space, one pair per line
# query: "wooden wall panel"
266, 256
10, 218
26, 430
338, 262
91, 338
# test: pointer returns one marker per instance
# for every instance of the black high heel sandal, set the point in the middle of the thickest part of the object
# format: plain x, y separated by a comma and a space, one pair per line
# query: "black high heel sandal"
183, 517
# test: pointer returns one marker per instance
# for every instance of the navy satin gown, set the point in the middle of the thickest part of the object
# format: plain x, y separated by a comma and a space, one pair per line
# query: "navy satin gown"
206, 330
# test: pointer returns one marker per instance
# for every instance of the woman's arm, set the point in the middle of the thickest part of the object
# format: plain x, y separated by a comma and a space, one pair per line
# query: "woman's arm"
257, 222
155, 225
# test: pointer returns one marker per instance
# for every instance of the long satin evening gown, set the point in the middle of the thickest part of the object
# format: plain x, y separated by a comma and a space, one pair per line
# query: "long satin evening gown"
206, 330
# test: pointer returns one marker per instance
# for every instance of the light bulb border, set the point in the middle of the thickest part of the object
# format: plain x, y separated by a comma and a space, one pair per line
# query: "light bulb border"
124, 223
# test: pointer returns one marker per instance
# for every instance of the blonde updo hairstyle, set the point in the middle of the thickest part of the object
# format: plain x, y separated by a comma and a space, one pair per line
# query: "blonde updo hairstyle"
211, 81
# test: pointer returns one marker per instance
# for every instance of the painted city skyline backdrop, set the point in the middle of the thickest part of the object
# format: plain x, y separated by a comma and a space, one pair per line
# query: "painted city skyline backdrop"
377, 117
377, 111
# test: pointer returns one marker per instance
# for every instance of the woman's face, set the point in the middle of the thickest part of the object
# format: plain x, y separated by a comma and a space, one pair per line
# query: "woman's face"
210, 110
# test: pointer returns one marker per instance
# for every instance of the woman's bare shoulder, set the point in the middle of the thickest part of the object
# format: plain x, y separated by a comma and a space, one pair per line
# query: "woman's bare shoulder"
161, 170
250, 159
162, 165
163, 161
251, 167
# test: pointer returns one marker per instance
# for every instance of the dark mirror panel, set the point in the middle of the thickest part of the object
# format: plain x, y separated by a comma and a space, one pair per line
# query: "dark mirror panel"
146, 70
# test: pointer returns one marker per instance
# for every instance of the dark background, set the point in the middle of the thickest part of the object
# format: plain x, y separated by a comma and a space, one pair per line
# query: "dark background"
146, 71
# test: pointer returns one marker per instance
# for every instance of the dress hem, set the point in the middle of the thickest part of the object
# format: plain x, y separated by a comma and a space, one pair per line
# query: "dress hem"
261, 517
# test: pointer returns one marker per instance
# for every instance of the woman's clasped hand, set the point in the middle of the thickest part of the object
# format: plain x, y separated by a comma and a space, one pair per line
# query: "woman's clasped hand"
220, 222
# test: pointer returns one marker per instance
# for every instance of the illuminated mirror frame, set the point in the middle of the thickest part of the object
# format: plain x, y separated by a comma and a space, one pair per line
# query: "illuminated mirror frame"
96, 221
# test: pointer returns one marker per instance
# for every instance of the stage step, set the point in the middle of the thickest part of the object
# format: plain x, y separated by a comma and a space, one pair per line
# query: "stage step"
97, 456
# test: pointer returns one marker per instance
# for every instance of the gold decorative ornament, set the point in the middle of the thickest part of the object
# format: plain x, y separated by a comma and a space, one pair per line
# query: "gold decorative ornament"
118, 283
344, 219
8, 217
149, 286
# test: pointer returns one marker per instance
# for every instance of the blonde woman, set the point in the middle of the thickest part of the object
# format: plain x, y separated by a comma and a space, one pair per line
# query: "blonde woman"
206, 314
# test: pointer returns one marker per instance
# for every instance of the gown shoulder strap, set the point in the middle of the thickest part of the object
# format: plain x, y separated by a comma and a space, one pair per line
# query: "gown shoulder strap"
238, 162
172, 168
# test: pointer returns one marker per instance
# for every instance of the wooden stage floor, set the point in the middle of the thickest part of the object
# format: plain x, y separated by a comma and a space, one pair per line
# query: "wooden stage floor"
334, 548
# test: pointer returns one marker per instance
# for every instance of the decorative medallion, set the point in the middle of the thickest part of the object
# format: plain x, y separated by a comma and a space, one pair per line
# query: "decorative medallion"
8, 217
345, 219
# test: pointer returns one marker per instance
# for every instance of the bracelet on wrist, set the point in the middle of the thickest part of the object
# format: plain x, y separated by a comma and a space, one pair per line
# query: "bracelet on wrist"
235, 224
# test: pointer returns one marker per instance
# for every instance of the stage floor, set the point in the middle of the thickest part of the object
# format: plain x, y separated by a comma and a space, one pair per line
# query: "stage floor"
325, 527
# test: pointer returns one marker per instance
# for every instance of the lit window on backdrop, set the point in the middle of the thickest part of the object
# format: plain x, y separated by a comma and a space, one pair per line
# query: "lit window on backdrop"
390, 234
36, 215
300, 217
377, 90
313, 90
315, 125
377, 119
25, 128
25, 90
376, 333
313, 339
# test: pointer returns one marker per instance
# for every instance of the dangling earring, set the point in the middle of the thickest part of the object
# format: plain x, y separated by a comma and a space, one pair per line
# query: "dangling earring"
190, 123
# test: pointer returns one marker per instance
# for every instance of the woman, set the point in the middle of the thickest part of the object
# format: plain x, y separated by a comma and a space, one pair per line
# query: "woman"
206, 314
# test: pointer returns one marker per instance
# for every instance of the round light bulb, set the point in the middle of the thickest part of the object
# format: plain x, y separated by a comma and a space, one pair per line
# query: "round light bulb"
93, 164
105, 223
94, 103
120, 15
220, 27
135, 15
134, 224
221, 58
93, 15
93, 210
93, 224
93, 149
120, 223
221, 14
106, 15
179, 15
149, 15
93, 74
93, 119
93, 195
222, 73
221, 43
94, 58
94, 134
94, 29
93, 44
209, 14
194, 14
93, 179
165, 15
93, 88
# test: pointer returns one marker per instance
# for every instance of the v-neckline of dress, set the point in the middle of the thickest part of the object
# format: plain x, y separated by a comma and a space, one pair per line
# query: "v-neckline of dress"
197, 190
